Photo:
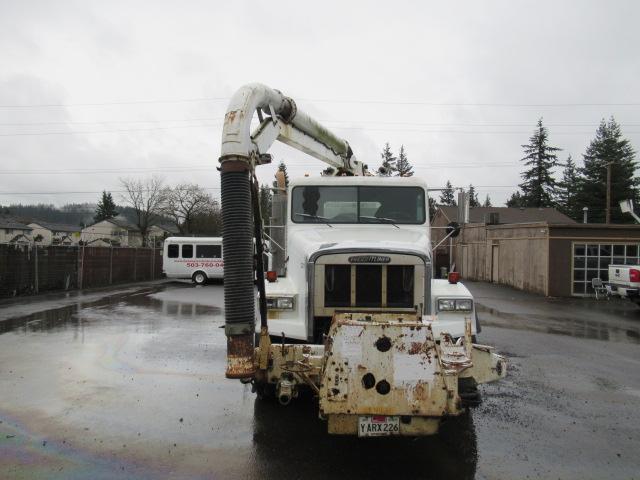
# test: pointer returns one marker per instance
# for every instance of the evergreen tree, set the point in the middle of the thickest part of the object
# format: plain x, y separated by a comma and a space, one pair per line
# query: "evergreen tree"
403, 167
106, 208
432, 208
568, 190
473, 197
487, 201
388, 165
447, 196
539, 186
515, 201
283, 168
265, 203
608, 146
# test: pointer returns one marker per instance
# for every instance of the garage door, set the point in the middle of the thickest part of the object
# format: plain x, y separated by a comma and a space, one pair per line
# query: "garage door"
591, 260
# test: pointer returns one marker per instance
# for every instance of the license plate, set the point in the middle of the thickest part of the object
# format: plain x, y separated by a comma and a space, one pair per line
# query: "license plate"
378, 426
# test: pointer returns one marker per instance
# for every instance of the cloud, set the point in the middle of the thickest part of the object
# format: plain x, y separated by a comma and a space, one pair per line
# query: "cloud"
400, 52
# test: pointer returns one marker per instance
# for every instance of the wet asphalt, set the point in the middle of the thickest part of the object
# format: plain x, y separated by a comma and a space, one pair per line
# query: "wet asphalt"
129, 383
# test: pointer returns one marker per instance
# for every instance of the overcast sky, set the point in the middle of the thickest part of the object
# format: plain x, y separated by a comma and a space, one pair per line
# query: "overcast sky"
92, 91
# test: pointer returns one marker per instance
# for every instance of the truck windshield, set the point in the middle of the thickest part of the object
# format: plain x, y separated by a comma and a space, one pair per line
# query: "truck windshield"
338, 204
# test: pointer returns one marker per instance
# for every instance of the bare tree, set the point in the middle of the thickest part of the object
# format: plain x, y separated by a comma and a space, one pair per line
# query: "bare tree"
184, 203
208, 222
146, 197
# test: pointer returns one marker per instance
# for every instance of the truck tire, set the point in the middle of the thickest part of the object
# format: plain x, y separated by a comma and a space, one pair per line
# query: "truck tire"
199, 278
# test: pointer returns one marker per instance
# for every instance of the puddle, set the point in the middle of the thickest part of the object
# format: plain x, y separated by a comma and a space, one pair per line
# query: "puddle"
558, 325
144, 307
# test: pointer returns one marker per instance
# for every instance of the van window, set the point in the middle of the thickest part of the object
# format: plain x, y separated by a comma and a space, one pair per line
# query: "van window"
173, 251
208, 251
187, 251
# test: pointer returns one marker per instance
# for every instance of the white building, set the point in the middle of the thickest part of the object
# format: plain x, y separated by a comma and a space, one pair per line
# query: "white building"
13, 231
119, 232
113, 231
45, 233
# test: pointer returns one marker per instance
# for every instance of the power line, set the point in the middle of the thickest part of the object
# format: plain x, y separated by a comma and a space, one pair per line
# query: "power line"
100, 104
211, 167
473, 104
356, 122
128, 130
82, 192
99, 171
334, 100
209, 188
101, 122
463, 132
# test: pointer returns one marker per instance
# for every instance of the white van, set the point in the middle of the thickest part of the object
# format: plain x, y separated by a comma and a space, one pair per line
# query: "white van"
197, 258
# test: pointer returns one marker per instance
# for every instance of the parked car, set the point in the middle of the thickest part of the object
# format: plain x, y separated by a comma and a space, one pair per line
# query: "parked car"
624, 281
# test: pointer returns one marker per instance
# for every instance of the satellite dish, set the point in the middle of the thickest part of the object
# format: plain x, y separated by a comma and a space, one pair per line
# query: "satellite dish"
626, 206
453, 229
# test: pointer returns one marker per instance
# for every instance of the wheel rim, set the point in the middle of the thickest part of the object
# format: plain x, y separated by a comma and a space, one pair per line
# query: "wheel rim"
199, 278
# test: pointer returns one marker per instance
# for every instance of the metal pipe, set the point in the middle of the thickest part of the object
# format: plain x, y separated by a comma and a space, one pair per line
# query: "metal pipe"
257, 229
236, 131
237, 140
318, 132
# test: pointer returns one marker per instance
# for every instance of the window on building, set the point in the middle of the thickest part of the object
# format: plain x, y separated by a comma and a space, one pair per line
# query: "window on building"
187, 251
173, 251
208, 251
592, 260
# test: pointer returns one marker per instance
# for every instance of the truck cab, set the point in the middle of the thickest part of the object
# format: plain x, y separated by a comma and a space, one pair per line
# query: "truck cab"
360, 243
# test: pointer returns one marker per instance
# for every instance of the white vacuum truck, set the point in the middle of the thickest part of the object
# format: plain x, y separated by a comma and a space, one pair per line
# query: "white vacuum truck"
386, 349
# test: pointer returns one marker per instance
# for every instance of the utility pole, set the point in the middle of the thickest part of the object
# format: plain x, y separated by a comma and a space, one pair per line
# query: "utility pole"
608, 209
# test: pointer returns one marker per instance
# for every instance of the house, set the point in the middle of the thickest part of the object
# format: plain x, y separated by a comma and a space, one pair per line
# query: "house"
443, 254
158, 232
46, 233
14, 231
536, 250
117, 232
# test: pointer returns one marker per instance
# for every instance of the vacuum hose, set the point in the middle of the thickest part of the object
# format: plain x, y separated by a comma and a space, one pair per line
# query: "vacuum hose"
237, 248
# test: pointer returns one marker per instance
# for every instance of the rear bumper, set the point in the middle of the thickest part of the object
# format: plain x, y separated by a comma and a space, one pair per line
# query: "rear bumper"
623, 291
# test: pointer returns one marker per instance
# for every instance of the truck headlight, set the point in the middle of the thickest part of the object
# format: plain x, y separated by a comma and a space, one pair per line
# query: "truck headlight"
466, 304
280, 303
450, 304
445, 305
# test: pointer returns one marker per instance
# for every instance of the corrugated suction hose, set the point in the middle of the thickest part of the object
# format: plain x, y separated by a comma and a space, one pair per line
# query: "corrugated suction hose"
237, 244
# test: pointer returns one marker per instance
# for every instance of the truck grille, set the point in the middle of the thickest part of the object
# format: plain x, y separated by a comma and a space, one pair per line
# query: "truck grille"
369, 286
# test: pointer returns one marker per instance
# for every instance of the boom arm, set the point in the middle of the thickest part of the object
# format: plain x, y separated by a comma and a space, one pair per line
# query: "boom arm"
285, 123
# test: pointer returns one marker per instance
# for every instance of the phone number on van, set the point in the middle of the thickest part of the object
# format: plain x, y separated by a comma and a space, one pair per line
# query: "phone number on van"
204, 264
